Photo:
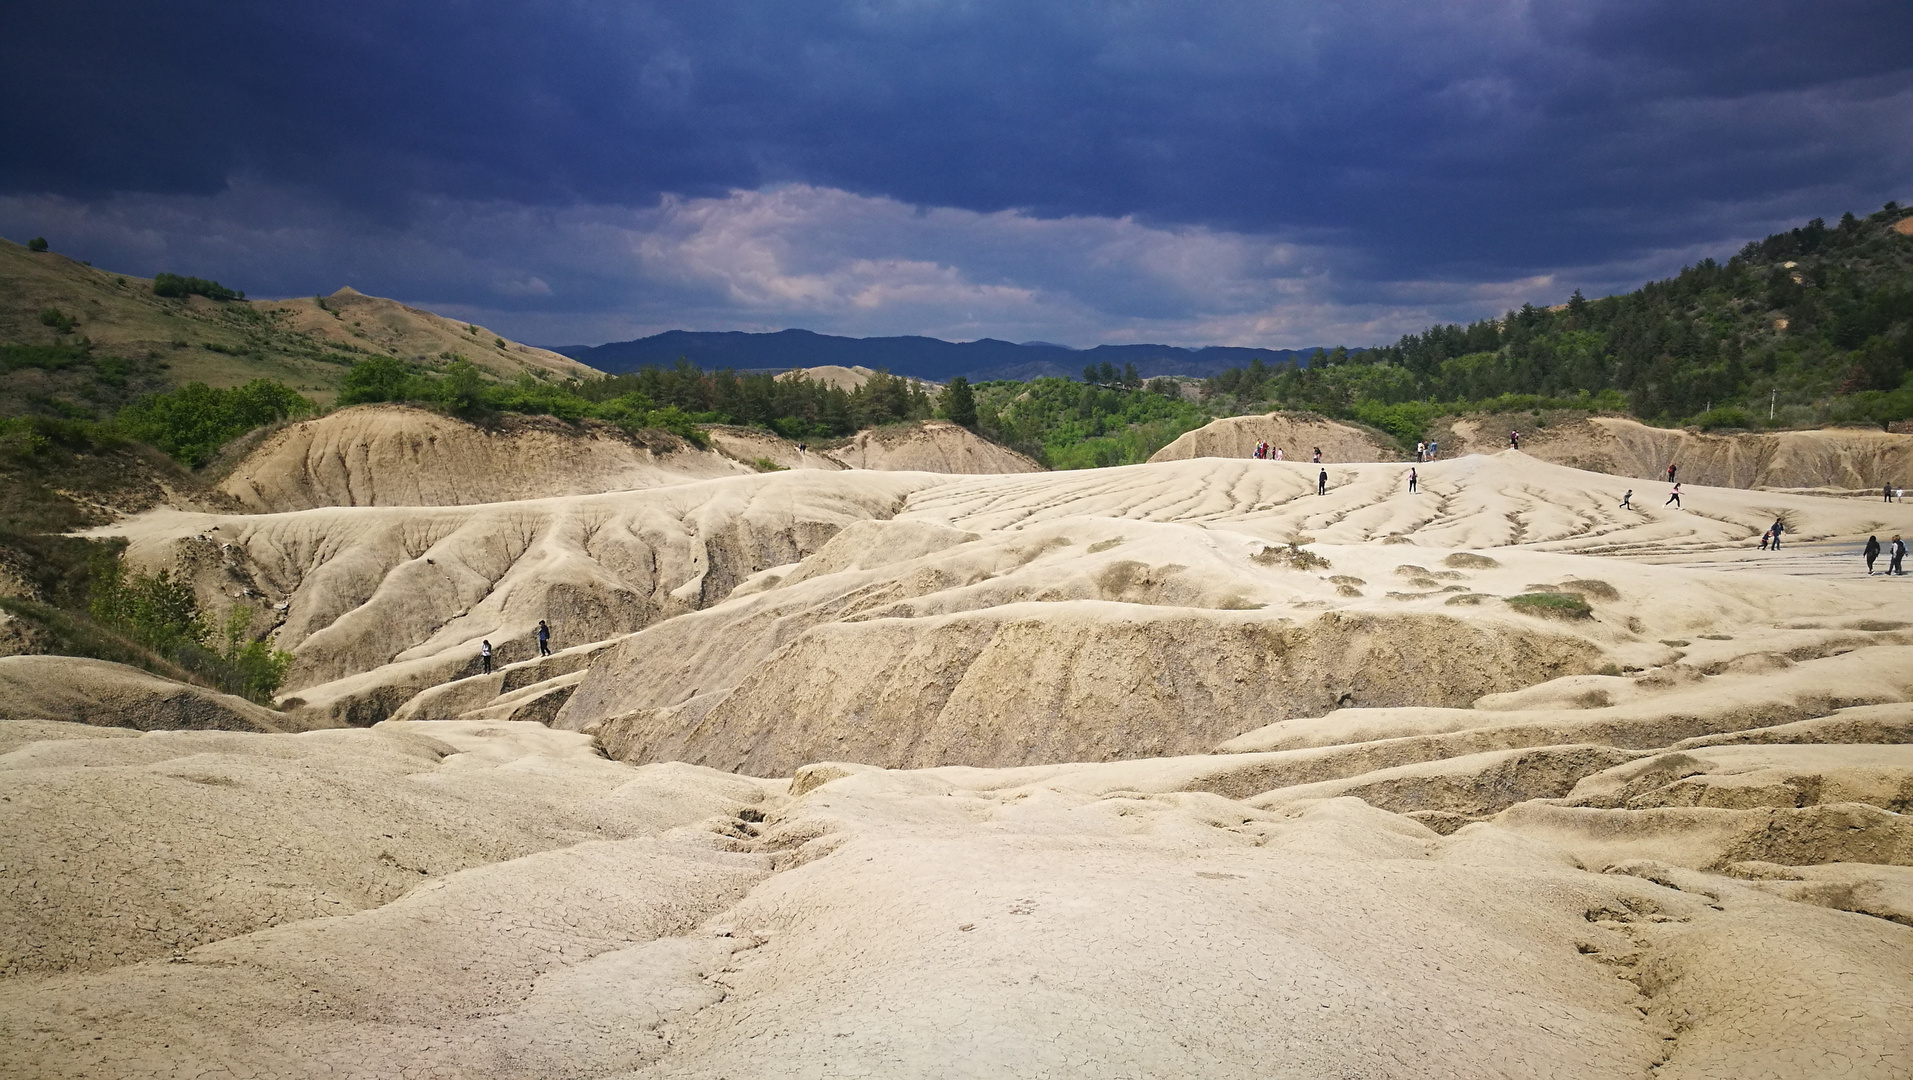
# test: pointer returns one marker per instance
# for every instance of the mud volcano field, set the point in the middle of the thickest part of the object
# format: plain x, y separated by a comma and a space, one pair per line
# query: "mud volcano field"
1179, 769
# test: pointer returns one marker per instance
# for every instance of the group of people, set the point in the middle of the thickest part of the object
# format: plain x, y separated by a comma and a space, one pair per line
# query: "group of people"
1895, 554
1264, 453
485, 648
1426, 451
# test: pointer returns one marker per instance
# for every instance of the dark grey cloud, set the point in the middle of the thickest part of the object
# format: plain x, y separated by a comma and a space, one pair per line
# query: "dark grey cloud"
1386, 145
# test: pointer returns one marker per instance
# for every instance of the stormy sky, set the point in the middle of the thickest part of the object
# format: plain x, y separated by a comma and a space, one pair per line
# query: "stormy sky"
1274, 174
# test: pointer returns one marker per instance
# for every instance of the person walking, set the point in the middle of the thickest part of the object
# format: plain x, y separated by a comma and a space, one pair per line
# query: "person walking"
1872, 553
485, 657
1627, 500
1674, 498
1896, 556
1777, 530
1670, 472
1411, 481
544, 639
1421, 450
1514, 440
1321, 483
1318, 455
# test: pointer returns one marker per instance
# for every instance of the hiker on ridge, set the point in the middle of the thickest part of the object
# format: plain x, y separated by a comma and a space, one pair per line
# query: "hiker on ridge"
1670, 472
485, 657
1872, 552
1514, 440
1318, 455
544, 639
1321, 483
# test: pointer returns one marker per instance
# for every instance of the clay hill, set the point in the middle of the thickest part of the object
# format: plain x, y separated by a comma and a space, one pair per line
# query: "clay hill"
307, 343
1178, 769
1840, 460
396, 455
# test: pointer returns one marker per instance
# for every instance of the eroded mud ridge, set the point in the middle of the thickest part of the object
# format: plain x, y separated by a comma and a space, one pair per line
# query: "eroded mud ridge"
1175, 770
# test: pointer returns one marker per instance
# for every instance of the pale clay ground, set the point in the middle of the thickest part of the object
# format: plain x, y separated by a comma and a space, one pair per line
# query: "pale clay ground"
1083, 774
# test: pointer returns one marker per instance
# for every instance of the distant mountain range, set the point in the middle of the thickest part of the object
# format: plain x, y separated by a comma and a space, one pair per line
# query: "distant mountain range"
920, 357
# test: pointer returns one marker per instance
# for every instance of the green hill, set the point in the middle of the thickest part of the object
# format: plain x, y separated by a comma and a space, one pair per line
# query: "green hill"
308, 344
1815, 324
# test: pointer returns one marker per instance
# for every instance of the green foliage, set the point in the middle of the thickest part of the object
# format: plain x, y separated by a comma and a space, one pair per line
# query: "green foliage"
1818, 318
1070, 425
177, 287
61, 322
1726, 416
160, 613
1552, 605
958, 403
37, 244
765, 464
191, 424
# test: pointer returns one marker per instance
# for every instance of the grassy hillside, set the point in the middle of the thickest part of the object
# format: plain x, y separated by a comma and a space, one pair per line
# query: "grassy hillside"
1814, 325
306, 343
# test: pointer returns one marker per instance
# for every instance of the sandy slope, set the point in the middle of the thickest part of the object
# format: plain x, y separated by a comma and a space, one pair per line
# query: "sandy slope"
1166, 796
1297, 435
930, 446
1847, 458
393, 455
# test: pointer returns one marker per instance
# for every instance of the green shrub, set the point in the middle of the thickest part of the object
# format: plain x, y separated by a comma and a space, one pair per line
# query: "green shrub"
38, 243
160, 613
175, 286
191, 424
61, 322
1552, 605
1726, 416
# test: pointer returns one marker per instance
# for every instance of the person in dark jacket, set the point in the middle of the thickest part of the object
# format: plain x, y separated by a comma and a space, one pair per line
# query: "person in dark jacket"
1777, 530
1321, 483
544, 639
1412, 478
1896, 556
1872, 552
485, 656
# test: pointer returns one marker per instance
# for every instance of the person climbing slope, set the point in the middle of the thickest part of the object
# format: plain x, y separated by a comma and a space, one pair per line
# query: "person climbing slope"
1627, 500
1872, 553
1674, 498
1778, 528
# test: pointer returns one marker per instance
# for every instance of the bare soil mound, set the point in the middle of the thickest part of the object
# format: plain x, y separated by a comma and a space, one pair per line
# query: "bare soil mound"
1295, 434
1657, 826
395, 455
1847, 458
71, 689
931, 446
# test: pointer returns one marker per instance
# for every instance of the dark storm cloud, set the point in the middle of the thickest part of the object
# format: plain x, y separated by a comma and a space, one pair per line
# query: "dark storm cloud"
1467, 141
